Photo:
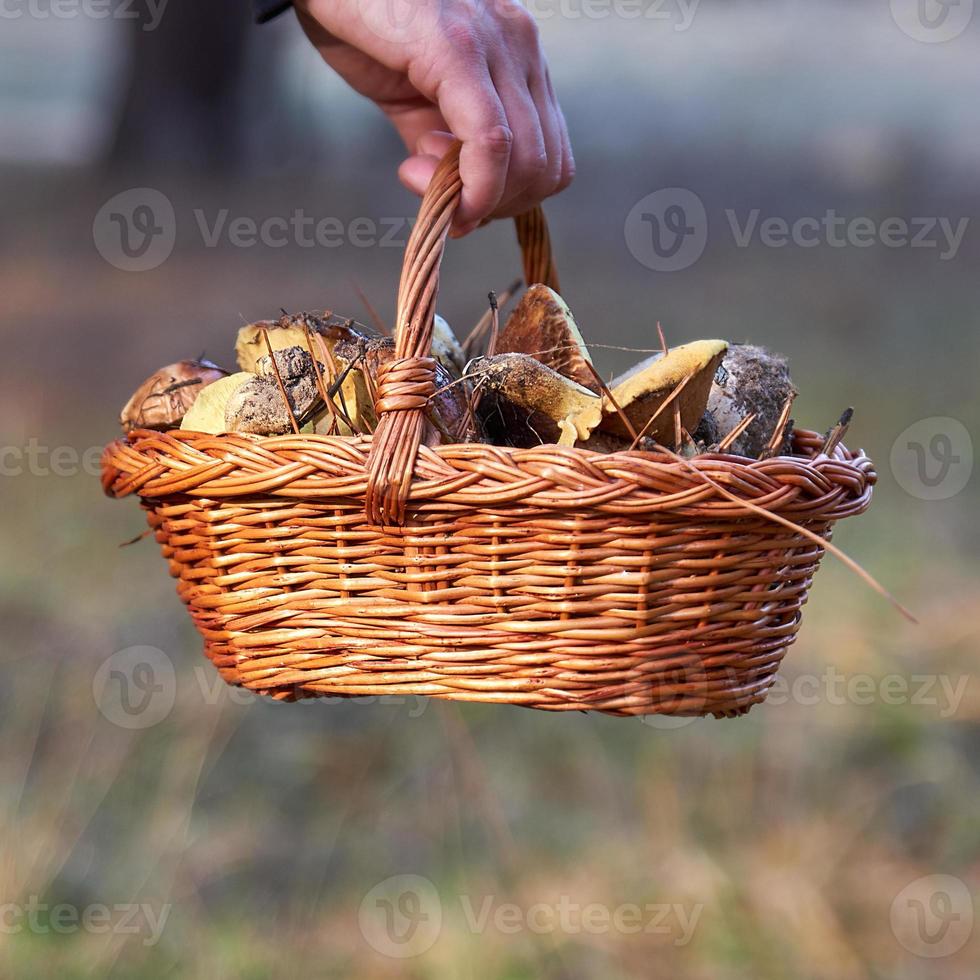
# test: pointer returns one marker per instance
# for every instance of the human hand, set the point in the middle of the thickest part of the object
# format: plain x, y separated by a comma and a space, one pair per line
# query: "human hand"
471, 68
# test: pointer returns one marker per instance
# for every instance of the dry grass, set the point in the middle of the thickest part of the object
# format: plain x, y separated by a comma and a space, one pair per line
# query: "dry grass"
263, 826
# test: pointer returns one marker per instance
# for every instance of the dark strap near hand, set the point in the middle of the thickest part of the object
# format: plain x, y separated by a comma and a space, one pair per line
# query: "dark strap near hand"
265, 10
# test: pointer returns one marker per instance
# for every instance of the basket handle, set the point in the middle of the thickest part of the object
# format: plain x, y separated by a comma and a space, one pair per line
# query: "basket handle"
407, 381
535, 242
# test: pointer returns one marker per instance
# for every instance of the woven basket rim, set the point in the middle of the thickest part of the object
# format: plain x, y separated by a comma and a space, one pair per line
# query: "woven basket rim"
806, 486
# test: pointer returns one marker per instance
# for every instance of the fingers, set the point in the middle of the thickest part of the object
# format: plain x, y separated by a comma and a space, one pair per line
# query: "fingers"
496, 97
541, 164
413, 120
471, 106
435, 143
533, 155
567, 157
416, 171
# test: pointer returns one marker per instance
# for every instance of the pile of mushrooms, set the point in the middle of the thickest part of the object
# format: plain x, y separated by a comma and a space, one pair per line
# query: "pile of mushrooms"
530, 383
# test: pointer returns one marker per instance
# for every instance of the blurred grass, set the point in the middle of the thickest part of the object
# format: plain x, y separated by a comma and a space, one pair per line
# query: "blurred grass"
265, 825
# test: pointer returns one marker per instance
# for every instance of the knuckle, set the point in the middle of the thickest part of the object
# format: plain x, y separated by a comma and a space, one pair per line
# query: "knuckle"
547, 180
522, 24
536, 168
567, 173
497, 140
463, 39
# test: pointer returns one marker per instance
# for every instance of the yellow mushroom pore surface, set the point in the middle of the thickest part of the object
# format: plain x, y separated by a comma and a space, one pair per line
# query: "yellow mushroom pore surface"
640, 391
207, 414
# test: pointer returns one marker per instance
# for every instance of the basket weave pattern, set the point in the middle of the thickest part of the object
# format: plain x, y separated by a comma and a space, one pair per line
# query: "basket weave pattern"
553, 577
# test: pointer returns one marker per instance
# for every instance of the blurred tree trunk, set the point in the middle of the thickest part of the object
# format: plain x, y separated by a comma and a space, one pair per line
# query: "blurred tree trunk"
182, 101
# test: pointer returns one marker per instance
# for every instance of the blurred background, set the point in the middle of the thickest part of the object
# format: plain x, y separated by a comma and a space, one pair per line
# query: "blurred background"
164, 171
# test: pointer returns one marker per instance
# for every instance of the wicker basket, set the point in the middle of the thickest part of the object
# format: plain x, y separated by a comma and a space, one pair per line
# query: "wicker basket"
555, 578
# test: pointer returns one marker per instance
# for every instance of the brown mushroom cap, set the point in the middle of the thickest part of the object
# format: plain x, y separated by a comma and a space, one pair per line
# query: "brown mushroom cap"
526, 403
162, 401
542, 325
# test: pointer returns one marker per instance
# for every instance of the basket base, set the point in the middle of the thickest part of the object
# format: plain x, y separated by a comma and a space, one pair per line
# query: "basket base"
306, 645
552, 578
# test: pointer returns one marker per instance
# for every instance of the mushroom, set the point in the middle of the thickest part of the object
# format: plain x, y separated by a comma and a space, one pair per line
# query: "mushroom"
163, 399
750, 381
525, 403
257, 406
446, 348
642, 390
542, 325
207, 414
529, 403
290, 331
447, 415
